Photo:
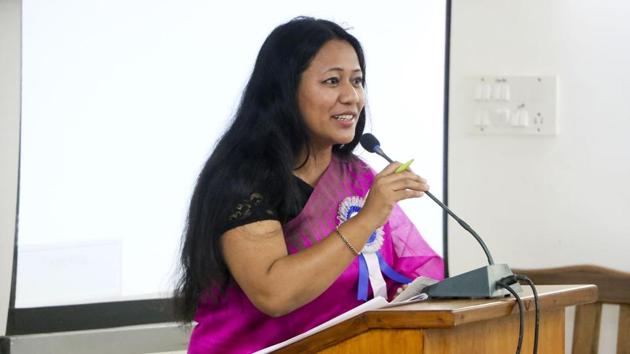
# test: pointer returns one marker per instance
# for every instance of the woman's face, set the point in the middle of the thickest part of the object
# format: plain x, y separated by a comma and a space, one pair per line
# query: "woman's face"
330, 94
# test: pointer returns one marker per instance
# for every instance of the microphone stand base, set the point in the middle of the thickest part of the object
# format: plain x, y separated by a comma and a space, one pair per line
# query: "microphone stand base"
478, 283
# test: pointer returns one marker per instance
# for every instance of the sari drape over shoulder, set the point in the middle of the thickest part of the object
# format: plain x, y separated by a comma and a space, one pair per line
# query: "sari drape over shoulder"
233, 325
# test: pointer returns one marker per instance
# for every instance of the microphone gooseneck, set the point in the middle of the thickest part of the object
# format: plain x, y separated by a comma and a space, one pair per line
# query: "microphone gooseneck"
371, 144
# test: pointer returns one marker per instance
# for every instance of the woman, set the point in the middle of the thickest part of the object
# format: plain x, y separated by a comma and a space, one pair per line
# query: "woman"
279, 220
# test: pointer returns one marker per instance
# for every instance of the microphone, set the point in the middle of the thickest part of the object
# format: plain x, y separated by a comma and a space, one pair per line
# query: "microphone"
371, 144
477, 283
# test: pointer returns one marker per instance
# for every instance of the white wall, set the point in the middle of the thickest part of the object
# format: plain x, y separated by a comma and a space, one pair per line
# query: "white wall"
9, 123
544, 201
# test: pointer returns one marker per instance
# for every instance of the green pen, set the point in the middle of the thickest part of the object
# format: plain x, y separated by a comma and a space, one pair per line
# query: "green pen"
404, 166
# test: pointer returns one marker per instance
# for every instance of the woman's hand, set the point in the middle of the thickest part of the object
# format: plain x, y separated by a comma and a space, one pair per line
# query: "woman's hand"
387, 189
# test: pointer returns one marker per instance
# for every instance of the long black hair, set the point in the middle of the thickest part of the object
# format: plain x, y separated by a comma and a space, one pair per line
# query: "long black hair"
258, 150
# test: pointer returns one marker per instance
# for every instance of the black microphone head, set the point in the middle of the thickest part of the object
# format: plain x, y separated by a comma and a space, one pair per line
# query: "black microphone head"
369, 142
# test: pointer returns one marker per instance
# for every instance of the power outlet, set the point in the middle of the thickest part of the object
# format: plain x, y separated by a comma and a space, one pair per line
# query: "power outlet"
513, 105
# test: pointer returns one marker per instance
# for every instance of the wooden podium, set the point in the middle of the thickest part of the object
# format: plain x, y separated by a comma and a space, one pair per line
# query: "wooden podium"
453, 326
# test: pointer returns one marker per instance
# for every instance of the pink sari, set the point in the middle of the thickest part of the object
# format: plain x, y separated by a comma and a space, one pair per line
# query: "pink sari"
234, 325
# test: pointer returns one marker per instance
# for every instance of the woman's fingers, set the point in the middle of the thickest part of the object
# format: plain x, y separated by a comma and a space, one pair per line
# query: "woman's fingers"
407, 194
405, 180
389, 188
409, 184
388, 170
406, 185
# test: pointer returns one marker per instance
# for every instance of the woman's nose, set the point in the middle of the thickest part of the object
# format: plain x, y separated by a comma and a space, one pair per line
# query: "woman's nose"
350, 94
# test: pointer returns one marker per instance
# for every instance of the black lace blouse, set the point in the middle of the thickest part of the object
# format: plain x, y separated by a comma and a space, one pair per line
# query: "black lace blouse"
256, 208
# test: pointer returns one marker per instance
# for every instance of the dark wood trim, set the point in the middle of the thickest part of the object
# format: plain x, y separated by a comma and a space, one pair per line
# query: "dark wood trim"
614, 285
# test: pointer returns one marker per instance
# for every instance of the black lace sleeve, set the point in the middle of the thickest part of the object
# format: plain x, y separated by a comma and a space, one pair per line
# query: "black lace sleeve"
251, 209
256, 207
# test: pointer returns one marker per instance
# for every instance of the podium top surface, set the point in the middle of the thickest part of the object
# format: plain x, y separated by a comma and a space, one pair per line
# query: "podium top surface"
440, 313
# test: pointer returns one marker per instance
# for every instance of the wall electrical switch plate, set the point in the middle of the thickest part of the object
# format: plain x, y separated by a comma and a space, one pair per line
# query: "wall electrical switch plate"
513, 105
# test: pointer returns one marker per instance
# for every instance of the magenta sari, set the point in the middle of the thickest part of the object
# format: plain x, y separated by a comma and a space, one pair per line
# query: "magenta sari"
234, 325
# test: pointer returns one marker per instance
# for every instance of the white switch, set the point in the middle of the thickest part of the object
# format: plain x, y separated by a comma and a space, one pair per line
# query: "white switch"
482, 119
486, 92
483, 91
503, 115
516, 118
524, 118
497, 87
505, 91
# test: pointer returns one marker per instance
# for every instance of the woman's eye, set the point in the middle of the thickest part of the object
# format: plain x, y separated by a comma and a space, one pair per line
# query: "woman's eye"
357, 81
332, 81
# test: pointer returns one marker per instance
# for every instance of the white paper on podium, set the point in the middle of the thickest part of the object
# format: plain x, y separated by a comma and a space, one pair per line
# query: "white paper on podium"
413, 292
